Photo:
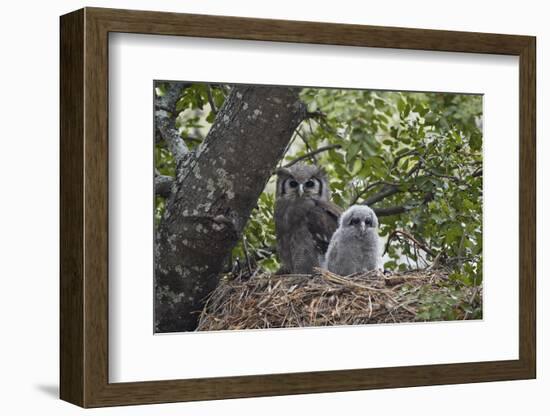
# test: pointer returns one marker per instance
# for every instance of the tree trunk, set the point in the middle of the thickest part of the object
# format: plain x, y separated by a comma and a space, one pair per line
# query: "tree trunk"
215, 190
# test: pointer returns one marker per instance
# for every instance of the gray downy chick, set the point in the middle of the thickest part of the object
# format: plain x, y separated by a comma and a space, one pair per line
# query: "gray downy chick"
355, 245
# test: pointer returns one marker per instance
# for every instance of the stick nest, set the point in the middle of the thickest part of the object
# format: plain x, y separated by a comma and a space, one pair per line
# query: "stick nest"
326, 299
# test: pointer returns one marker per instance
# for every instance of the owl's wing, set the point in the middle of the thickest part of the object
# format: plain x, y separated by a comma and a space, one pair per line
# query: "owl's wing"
322, 222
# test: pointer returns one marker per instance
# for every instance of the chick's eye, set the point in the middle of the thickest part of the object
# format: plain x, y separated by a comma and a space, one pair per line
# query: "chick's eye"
354, 221
293, 184
310, 184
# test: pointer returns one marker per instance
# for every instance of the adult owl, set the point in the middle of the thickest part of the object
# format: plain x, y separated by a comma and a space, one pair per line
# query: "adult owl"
305, 219
354, 247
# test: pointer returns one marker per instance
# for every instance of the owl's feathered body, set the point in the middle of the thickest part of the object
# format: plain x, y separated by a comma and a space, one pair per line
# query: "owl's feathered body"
355, 246
305, 219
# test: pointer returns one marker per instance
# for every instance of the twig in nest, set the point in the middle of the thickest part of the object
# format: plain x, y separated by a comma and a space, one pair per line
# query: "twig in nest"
321, 299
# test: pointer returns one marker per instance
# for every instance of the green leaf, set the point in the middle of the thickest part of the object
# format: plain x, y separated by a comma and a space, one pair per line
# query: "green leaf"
352, 151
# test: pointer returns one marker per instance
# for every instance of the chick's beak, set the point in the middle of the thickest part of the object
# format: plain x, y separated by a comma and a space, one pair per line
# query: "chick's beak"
300, 189
363, 226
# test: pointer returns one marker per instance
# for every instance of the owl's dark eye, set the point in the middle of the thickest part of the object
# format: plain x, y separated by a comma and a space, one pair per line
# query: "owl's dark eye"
310, 184
293, 184
368, 221
355, 221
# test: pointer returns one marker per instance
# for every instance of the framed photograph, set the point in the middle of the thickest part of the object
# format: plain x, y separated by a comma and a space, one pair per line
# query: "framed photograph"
256, 207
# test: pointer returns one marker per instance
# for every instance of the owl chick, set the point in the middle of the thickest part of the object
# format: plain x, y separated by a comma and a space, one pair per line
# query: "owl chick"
305, 219
354, 247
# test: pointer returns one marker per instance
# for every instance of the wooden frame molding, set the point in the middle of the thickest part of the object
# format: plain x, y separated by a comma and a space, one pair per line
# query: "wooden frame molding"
84, 207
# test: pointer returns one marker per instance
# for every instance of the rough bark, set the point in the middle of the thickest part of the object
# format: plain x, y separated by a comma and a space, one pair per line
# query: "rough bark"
163, 185
215, 191
165, 122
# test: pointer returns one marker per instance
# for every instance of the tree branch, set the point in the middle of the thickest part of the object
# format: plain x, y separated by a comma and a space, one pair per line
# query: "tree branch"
478, 172
306, 141
165, 119
400, 209
395, 210
313, 153
398, 158
315, 115
368, 188
410, 237
443, 176
163, 185
321, 118
386, 191
168, 132
211, 99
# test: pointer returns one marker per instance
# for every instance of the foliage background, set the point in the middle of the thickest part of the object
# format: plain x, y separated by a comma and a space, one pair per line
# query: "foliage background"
414, 157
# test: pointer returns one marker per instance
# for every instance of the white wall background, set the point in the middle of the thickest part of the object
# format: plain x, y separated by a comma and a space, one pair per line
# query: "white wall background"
29, 207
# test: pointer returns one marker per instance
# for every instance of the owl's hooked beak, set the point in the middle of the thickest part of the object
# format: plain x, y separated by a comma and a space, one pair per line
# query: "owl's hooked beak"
301, 190
363, 226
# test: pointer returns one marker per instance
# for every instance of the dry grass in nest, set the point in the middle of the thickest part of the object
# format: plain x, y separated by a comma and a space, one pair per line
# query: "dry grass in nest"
321, 299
